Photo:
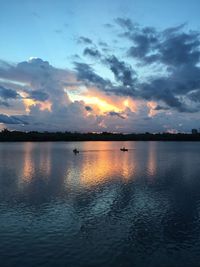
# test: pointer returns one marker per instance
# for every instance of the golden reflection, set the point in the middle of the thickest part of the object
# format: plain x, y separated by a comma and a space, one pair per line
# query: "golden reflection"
36, 161
152, 161
45, 160
103, 165
28, 164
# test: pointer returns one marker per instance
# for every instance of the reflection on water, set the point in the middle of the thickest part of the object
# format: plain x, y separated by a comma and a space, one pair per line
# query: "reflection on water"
102, 207
32, 163
100, 165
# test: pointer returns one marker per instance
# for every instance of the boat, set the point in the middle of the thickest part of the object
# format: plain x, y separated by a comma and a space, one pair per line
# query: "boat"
124, 149
75, 151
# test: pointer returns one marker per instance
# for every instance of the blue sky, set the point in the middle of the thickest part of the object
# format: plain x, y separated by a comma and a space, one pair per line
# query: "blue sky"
28, 27
118, 64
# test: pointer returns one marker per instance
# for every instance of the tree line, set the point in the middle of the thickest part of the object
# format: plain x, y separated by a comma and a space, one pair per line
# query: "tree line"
9, 136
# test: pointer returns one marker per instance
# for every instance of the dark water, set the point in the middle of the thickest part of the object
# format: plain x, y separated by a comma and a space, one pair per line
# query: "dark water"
101, 207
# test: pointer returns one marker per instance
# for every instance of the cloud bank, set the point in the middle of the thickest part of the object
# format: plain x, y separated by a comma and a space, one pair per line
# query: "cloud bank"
153, 84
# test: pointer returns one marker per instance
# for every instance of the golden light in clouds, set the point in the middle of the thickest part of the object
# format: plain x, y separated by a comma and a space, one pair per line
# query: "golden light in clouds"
42, 105
99, 101
152, 105
45, 105
102, 103
28, 103
126, 103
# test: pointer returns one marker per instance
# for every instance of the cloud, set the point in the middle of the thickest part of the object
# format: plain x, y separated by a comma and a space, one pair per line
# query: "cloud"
6, 93
125, 23
84, 40
4, 103
153, 66
86, 74
103, 44
113, 113
36, 74
159, 107
176, 51
172, 46
179, 49
171, 90
43, 90
92, 52
88, 108
38, 95
122, 71
195, 96
11, 120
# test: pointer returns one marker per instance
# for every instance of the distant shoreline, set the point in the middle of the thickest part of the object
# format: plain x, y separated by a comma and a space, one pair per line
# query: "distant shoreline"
17, 136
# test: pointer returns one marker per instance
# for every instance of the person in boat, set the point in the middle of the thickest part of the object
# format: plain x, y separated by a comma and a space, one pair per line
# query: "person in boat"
123, 149
75, 151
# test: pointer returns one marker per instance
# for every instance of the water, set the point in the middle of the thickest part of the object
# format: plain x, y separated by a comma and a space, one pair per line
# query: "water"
102, 207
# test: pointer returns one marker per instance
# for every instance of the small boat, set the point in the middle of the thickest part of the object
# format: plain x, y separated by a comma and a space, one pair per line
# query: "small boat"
75, 151
124, 149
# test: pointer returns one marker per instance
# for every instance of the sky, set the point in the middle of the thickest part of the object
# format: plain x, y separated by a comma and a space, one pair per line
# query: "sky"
92, 66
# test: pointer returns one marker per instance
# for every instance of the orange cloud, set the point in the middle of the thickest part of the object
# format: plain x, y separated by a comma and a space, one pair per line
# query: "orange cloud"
101, 102
152, 105
28, 102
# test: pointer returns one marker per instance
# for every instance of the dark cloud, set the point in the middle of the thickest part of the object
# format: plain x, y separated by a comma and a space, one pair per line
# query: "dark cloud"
179, 49
117, 114
122, 71
195, 96
87, 74
84, 40
159, 107
171, 46
4, 103
178, 52
92, 52
159, 89
6, 93
125, 23
11, 120
164, 89
38, 95
88, 108
174, 30
145, 43
38, 75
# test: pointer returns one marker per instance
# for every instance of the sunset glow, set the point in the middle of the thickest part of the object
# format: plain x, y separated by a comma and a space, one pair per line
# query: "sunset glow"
42, 105
114, 71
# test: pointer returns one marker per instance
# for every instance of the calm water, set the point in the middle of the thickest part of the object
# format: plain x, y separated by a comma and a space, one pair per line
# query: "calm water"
101, 207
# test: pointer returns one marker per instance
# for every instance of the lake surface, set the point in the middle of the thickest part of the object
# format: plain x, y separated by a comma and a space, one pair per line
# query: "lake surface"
101, 207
